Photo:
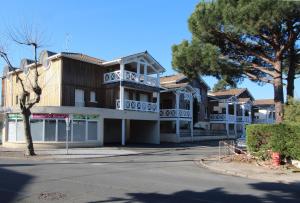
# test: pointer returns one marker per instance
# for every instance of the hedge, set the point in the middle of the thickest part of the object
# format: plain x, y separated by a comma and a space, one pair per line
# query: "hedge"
283, 138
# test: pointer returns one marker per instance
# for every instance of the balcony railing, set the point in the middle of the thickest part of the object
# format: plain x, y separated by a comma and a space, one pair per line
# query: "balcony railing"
137, 105
267, 121
245, 120
130, 76
173, 113
222, 117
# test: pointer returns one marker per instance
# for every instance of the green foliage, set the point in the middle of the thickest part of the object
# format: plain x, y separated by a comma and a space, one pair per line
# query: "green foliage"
292, 111
238, 39
282, 138
223, 85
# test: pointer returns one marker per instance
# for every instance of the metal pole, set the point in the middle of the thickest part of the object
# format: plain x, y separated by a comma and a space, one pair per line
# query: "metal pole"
67, 139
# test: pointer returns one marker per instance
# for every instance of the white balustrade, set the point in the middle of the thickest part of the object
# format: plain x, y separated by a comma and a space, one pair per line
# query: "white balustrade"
130, 76
218, 117
173, 113
138, 105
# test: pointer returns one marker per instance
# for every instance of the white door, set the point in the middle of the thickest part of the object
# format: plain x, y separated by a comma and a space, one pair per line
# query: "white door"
79, 97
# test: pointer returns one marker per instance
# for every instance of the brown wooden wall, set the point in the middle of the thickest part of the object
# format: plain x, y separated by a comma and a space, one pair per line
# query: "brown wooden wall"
81, 75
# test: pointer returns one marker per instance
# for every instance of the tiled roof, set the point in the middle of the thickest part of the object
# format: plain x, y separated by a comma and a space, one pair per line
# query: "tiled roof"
262, 102
230, 92
174, 85
244, 100
83, 57
171, 78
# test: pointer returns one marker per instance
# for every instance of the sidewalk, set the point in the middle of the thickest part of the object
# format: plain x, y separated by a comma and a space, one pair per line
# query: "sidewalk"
73, 153
251, 171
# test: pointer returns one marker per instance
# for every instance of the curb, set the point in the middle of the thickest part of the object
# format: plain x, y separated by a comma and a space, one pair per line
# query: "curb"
231, 173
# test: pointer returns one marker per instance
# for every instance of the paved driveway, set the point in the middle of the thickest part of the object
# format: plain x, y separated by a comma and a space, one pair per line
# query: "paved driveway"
167, 174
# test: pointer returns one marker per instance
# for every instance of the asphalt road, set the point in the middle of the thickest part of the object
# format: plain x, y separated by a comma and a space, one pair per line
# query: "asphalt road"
167, 174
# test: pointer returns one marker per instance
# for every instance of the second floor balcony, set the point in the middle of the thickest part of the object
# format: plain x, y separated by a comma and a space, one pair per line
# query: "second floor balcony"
174, 113
134, 105
130, 76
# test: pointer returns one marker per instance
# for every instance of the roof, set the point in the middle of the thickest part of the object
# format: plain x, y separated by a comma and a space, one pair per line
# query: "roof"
174, 85
229, 92
83, 57
176, 78
171, 78
263, 102
144, 54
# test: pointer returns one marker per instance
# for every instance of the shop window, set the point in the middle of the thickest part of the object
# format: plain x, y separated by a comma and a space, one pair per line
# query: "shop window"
50, 129
92, 130
12, 130
36, 130
20, 131
78, 130
62, 131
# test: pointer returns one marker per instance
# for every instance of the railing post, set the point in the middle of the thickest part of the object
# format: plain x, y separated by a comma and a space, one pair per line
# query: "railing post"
138, 71
227, 118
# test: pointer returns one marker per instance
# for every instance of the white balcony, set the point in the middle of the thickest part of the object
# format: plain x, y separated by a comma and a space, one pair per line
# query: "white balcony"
240, 119
174, 113
264, 121
222, 117
137, 106
130, 76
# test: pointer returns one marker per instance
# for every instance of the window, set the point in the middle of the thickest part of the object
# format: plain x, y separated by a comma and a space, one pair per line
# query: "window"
36, 130
62, 131
92, 130
50, 128
12, 130
17, 99
20, 131
93, 96
79, 97
78, 130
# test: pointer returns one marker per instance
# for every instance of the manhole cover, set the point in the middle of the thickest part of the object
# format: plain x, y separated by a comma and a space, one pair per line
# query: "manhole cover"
52, 196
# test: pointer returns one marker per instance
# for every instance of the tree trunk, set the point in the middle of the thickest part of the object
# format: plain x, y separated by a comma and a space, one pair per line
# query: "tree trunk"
291, 74
278, 93
26, 122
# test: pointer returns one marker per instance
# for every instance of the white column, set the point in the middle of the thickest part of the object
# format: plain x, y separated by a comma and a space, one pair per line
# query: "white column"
138, 71
145, 72
121, 97
235, 122
227, 118
243, 119
157, 80
123, 132
191, 110
158, 101
177, 115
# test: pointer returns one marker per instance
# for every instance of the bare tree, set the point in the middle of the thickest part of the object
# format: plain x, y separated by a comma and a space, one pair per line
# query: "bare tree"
28, 38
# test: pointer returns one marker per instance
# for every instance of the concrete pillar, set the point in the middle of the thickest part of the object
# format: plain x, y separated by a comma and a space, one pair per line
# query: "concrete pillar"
177, 116
121, 87
227, 118
123, 132
101, 131
235, 120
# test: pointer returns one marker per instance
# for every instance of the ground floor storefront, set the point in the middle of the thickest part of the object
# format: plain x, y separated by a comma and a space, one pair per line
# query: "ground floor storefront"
81, 127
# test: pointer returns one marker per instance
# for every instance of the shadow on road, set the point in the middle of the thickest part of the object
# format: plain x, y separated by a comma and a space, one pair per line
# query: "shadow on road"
273, 192
11, 184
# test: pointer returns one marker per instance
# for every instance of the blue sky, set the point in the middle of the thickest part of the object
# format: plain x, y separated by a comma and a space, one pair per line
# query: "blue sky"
108, 29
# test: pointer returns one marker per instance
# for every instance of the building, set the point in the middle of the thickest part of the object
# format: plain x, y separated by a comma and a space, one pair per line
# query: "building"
264, 111
114, 101
183, 105
230, 111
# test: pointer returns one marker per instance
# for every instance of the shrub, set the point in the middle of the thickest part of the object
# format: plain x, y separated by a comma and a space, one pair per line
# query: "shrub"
282, 138
292, 111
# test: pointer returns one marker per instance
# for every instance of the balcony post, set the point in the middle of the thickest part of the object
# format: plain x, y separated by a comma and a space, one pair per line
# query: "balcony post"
235, 120
138, 71
145, 73
227, 118
191, 111
121, 86
177, 114
243, 118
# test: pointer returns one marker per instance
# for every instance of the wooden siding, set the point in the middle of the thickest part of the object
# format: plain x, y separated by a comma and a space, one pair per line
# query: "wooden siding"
49, 80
